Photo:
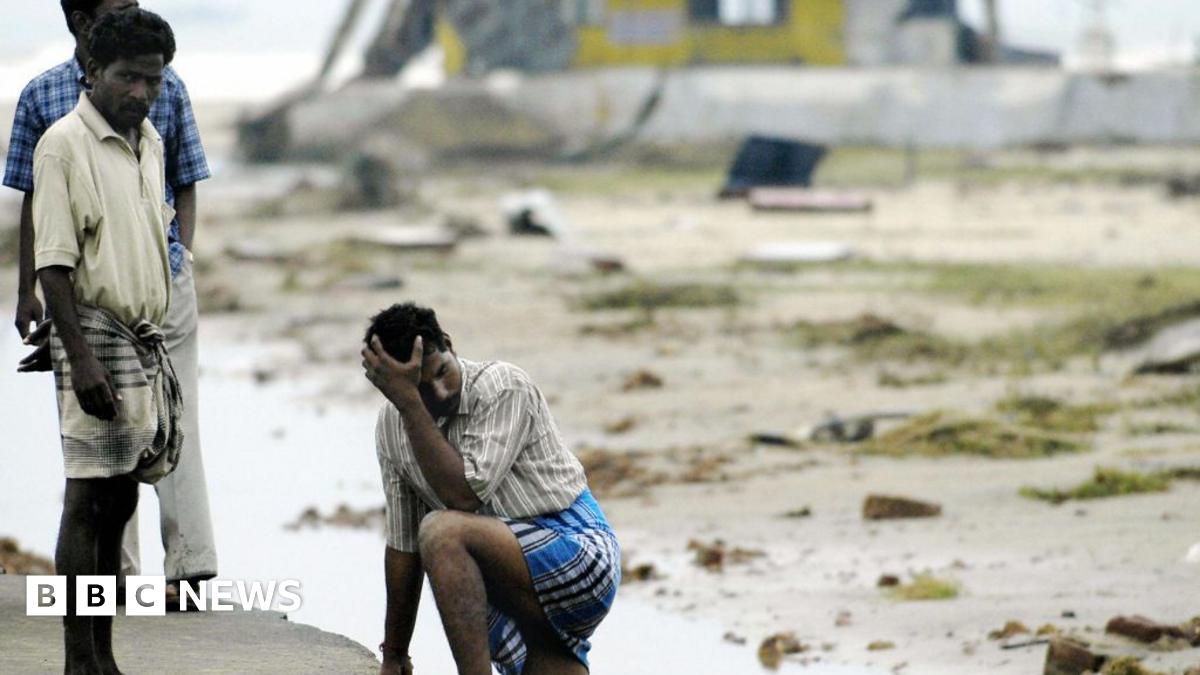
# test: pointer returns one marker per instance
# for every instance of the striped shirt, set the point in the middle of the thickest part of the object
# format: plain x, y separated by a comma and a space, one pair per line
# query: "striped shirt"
514, 457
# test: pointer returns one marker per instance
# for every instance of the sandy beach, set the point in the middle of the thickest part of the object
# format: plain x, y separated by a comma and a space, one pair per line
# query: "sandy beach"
981, 271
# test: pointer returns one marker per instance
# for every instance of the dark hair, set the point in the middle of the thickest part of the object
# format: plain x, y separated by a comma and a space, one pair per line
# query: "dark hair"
399, 325
69, 7
129, 33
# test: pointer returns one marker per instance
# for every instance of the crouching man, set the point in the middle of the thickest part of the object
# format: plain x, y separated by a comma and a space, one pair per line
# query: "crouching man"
99, 219
484, 497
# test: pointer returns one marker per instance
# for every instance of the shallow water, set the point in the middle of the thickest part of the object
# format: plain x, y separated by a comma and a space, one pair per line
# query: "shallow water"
271, 451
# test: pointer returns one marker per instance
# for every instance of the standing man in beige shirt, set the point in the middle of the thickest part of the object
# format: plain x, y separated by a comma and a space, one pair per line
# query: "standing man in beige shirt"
99, 220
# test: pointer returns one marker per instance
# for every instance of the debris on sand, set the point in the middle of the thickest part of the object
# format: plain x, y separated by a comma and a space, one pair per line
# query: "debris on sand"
1173, 351
217, 298
621, 426
1010, 629
1149, 631
1051, 414
344, 517
881, 645
407, 238
776, 439
257, 251
802, 512
714, 556
1180, 186
1127, 665
855, 429
15, 561
642, 379
1139, 329
881, 507
805, 200
1070, 656
1105, 482
775, 647
925, 587
786, 255
887, 581
875, 338
618, 474
942, 433
649, 296
733, 638
638, 573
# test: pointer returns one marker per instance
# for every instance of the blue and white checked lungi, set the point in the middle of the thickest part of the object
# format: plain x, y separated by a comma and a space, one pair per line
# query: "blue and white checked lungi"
575, 563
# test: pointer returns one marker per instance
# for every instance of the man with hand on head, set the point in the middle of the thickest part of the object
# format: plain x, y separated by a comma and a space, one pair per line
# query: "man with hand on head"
186, 525
485, 498
99, 225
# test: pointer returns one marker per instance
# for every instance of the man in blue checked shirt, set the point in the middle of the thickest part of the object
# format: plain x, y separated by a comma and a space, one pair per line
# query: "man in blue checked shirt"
183, 498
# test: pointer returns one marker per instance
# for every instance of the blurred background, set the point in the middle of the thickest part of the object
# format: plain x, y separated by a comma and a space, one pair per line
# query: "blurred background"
769, 260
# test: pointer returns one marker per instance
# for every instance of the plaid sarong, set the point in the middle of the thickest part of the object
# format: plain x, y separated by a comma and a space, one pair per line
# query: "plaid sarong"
146, 436
575, 562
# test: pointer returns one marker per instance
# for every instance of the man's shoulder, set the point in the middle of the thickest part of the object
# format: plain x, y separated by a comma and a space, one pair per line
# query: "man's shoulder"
64, 136
49, 83
492, 378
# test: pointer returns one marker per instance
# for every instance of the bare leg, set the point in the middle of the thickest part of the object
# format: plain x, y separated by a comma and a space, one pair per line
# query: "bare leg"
121, 505
472, 560
75, 554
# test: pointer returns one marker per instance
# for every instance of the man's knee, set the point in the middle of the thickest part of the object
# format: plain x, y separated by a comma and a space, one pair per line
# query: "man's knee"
440, 532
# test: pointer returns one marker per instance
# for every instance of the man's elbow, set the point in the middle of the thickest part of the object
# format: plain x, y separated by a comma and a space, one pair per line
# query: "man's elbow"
467, 502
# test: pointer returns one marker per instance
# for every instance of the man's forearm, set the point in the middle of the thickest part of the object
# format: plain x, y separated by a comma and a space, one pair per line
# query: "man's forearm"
440, 463
404, 577
60, 297
26, 276
185, 213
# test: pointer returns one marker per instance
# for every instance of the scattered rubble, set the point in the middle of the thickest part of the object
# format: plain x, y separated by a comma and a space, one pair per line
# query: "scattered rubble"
714, 556
642, 379
344, 517
1010, 629
621, 426
428, 238
943, 433
1069, 656
925, 587
806, 200
15, 561
637, 573
618, 474
881, 645
1149, 631
786, 254
1105, 482
775, 647
887, 581
880, 507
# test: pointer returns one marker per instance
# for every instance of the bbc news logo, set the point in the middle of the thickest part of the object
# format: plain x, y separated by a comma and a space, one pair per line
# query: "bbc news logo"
147, 596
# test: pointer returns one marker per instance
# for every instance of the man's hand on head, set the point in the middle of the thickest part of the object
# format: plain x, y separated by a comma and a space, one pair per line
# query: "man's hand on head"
397, 380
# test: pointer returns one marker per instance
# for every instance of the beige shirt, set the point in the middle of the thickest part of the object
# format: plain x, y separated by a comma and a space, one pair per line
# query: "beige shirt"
514, 458
100, 209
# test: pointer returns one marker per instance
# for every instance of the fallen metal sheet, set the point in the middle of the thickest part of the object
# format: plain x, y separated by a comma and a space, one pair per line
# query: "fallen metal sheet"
435, 238
1173, 350
804, 200
790, 253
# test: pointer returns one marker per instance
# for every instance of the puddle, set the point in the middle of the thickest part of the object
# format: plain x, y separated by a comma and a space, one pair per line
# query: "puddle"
268, 457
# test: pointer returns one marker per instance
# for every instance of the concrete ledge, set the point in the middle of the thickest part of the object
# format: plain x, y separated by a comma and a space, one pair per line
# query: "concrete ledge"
195, 642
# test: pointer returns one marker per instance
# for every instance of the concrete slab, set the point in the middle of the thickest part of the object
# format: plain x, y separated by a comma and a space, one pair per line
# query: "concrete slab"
246, 643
